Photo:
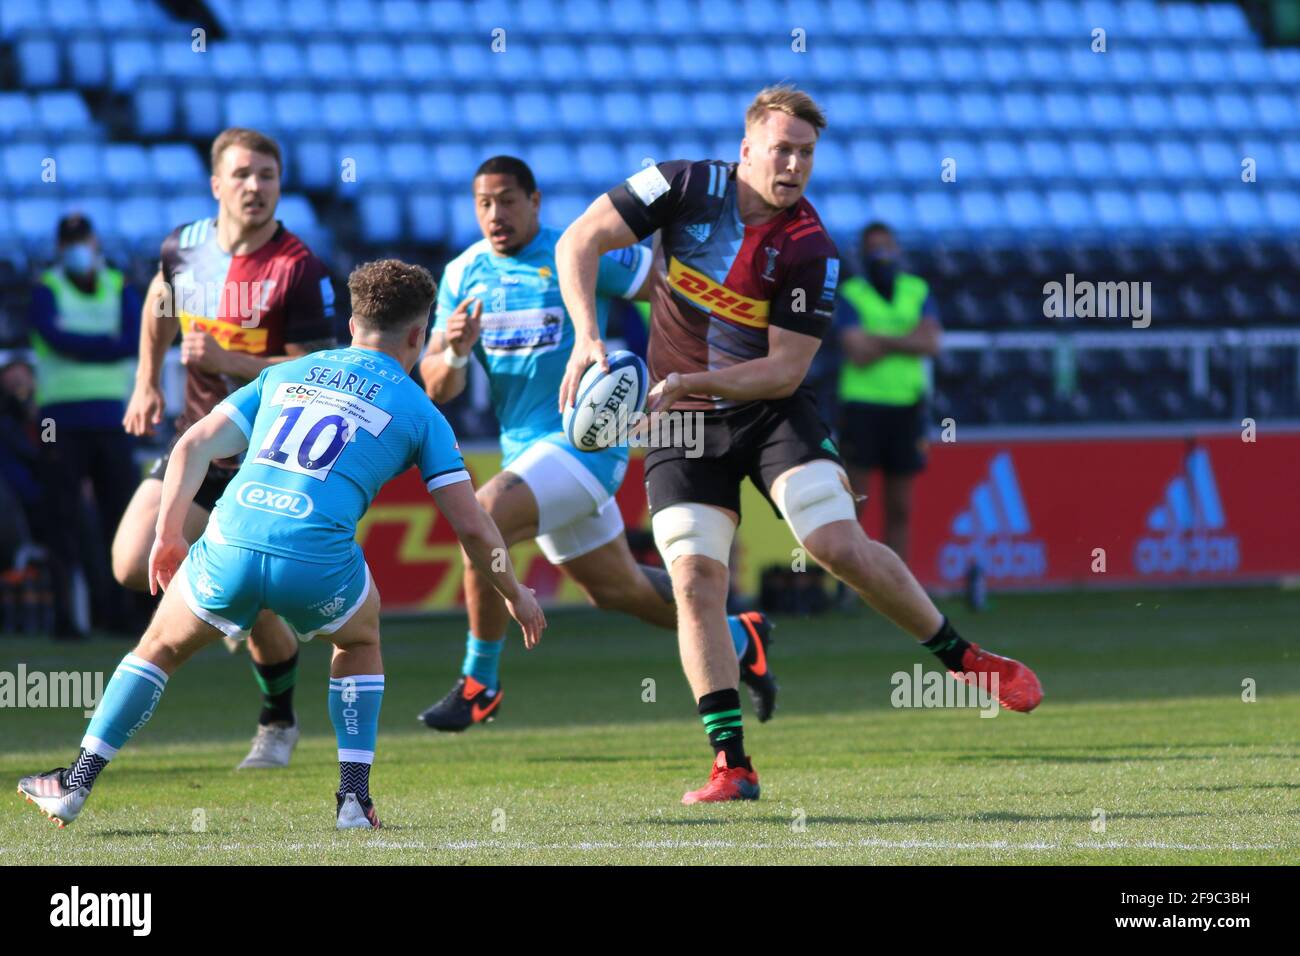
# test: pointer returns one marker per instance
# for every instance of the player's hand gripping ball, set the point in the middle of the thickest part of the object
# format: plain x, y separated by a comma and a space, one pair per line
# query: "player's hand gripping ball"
609, 403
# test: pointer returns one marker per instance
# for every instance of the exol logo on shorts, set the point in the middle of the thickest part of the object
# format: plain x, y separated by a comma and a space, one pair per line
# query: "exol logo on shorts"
276, 501
1183, 524
997, 525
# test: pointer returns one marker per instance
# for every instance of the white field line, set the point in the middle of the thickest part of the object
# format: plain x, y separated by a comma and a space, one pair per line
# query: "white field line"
597, 846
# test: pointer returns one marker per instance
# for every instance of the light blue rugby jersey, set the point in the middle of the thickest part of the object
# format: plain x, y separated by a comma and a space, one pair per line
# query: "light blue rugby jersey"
326, 431
527, 336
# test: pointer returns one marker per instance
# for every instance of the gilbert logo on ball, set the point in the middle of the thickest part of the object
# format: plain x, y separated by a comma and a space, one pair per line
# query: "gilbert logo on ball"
591, 424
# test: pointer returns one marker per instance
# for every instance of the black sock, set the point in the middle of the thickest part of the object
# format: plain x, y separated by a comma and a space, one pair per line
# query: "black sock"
84, 771
277, 682
355, 778
720, 711
948, 646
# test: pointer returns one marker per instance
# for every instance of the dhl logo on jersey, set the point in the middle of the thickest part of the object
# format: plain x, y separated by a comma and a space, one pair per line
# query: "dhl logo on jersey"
231, 337
716, 298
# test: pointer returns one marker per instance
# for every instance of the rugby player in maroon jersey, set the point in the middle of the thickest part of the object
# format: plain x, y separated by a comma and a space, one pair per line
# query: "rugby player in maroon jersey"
244, 293
748, 297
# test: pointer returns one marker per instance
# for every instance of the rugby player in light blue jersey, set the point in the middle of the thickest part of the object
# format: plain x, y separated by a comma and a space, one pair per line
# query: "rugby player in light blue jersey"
500, 300
323, 433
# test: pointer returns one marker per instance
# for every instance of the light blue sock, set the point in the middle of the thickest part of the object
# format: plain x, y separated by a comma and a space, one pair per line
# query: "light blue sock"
739, 636
354, 712
129, 701
481, 661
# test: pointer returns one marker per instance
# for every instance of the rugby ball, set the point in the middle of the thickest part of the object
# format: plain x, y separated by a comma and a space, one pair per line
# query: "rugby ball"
605, 401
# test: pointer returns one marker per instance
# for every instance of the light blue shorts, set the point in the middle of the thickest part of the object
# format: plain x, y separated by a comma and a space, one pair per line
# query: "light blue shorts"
228, 586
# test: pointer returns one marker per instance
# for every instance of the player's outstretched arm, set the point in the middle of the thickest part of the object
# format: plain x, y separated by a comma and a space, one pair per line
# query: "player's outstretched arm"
158, 328
577, 262
482, 541
212, 437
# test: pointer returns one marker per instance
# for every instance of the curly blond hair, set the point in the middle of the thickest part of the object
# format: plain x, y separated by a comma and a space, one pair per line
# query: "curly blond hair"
389, 294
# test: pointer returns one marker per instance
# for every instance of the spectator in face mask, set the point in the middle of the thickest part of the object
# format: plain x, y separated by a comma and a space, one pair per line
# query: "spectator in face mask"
888, 330
84, 322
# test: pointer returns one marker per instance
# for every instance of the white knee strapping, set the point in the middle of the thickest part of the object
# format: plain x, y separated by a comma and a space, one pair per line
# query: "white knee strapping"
814, 495
693, 529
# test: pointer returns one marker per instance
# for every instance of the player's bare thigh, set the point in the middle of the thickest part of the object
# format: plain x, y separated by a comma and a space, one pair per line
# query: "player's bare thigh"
135, 534
607, 573
356, 643
512, 505
174, 634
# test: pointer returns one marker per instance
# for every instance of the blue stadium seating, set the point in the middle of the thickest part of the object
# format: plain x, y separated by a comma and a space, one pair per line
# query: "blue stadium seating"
1047, 134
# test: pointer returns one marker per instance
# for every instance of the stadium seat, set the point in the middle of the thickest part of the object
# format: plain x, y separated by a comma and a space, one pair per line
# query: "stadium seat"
1046, 159
483, 111
1089, 158
844, 212
426, 214
1151, 112
1283, 209
381, 216
1200, 208
177, 164
233, 61
598, 163
1069, 209
436, 111
552, 164
311, 164
893, 208
39, 61
203, 108
453, 164
463, 225
62, 113
326, 60
407, 162
359, 164
16, 115
343, 111
1134, 159
126, 166
1218, 160
391, 111
79, 165
1115, 209
280, 61
1177, 160
531, 112
1243, 207
186, 208
34, 220
917, 160
871, 159
140, 220
87, 62
981, 209
1025, 209
297, 213
248, 106
420, 62
26, 166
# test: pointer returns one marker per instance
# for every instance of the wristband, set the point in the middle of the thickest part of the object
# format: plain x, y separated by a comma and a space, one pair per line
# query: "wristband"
452, 359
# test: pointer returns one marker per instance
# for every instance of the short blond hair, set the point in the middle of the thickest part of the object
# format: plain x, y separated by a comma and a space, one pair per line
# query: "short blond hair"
249, 139
787, 99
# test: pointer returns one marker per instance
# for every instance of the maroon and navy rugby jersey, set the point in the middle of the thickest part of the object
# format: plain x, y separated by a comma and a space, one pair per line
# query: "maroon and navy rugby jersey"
257, 303
726, 282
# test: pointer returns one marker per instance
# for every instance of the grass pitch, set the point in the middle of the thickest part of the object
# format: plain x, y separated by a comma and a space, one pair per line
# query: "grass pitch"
1143, 722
